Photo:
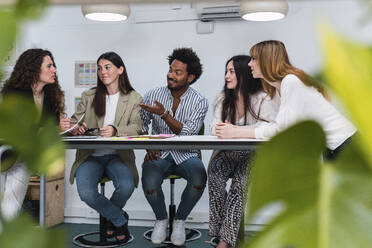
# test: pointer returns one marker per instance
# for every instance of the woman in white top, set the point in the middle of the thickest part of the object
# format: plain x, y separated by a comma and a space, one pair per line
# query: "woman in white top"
113, 108
242, 102
300, 98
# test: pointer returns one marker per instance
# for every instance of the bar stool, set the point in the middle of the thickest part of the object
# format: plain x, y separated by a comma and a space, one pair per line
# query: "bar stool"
191, 233
81, 239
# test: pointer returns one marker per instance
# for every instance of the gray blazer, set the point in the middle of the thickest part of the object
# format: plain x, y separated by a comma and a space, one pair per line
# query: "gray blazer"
127, 122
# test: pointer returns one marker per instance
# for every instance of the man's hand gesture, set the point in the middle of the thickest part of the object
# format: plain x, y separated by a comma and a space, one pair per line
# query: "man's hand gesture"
157, 109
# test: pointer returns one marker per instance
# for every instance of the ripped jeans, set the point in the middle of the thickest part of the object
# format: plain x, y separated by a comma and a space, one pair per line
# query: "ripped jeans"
153, 174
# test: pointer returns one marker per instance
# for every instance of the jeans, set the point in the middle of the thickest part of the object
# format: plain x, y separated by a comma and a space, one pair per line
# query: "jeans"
89, 174
153, 174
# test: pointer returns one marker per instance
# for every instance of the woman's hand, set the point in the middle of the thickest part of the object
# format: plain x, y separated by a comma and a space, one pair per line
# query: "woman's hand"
107, 131
65, 124
225, 130
82, 129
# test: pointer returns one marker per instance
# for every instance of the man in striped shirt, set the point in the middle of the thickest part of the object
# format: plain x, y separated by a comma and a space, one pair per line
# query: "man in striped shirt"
175, 109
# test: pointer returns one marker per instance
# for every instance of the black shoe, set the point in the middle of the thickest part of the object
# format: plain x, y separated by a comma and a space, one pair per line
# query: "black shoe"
110, 227
122, 230
126, 216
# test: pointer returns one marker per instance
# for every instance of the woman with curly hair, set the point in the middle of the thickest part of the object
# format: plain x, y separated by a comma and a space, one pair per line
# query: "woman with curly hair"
35, 77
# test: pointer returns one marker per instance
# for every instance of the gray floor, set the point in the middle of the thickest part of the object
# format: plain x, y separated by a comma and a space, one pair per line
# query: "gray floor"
139, 241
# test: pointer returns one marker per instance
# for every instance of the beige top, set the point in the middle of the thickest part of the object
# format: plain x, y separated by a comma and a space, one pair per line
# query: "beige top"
127, 122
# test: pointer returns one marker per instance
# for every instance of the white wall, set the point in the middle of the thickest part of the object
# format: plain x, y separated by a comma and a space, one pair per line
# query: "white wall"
145, 47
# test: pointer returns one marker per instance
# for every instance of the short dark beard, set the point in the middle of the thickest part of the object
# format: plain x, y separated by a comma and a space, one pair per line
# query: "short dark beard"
179, 88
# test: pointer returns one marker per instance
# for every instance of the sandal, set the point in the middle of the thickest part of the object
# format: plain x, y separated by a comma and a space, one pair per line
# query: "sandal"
110, 228
120, 231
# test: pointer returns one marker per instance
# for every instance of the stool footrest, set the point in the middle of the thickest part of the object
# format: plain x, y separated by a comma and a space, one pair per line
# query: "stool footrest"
191, 235
81, 241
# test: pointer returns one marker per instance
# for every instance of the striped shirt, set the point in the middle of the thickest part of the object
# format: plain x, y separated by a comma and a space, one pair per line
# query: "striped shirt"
191, 112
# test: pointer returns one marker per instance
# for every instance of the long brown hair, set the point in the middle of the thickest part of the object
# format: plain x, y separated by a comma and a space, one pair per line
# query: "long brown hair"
99, 101
246, 85
273, 60
26, 74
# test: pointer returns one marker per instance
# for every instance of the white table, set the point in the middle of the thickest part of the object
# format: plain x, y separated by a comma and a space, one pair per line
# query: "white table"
200, 142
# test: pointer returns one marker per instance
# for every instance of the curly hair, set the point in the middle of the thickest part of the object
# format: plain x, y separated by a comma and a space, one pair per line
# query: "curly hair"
26, 74
188, 57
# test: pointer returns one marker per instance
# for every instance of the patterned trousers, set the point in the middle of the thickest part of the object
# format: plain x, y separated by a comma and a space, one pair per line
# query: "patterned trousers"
225, 208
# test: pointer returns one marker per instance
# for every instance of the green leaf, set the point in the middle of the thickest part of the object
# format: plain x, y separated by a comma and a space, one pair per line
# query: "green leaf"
22, 232
349, 201
348, 72
30, 9
287, 171
8, 30
40, 148
324, 205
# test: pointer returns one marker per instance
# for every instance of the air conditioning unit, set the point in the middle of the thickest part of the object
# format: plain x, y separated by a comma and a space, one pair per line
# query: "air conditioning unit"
218, 11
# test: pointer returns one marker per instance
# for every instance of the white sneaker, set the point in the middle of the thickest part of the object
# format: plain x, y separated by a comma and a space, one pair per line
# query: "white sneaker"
178, 236
159, 233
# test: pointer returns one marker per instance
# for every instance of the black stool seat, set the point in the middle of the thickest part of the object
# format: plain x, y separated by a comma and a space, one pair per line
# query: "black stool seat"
99, 238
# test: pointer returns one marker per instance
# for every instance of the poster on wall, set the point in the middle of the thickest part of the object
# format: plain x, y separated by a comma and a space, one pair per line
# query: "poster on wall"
85, 73
77, 101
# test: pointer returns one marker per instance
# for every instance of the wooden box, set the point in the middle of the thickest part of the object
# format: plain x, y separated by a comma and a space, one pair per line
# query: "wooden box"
54, 199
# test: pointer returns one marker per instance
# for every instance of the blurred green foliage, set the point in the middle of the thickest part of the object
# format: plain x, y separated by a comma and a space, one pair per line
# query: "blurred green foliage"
323, 204
40, 148
22, 233
8, 30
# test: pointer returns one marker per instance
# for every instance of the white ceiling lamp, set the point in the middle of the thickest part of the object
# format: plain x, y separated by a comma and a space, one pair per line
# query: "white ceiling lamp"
263, 10
106, 12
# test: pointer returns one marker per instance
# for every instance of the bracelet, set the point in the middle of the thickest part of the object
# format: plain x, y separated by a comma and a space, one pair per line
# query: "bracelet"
164, 115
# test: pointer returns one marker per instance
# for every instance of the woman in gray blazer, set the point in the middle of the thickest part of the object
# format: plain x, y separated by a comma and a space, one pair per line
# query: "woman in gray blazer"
111, 107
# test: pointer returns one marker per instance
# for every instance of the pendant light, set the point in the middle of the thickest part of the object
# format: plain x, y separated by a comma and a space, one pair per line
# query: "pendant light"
106, 12
263, 10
